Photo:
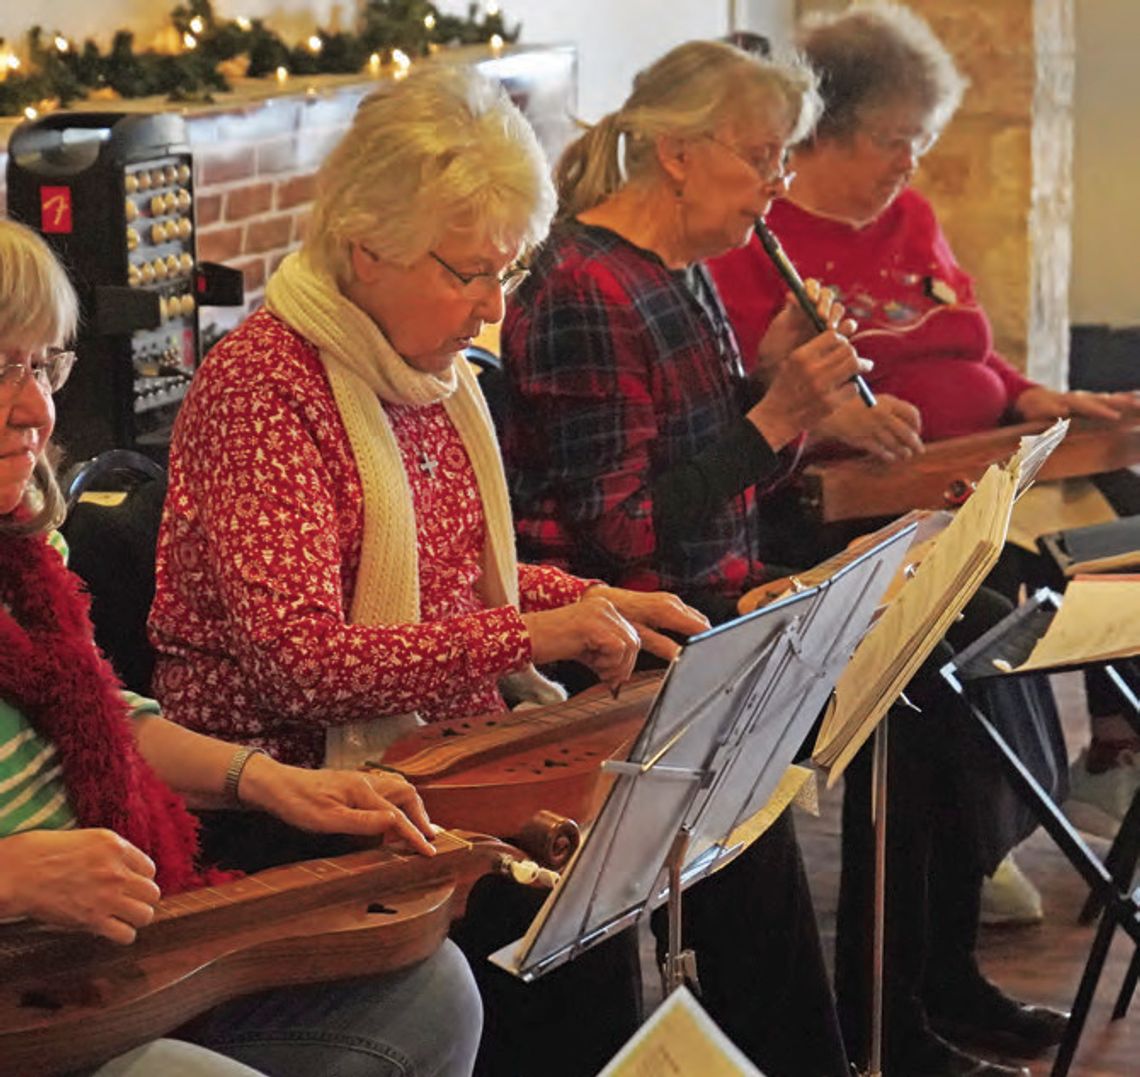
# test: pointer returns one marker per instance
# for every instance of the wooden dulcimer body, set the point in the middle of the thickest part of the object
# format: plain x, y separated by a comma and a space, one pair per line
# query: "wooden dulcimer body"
70, 1000
942, 477
493, 773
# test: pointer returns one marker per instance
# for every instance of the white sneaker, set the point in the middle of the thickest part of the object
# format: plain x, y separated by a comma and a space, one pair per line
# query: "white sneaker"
1009, 899
1098, 802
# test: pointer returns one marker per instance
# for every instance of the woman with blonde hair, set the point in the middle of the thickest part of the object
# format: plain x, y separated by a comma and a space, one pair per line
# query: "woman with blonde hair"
94, 782
336, 563
636, 445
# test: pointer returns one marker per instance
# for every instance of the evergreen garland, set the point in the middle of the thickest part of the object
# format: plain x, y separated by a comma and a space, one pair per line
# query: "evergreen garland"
63, 74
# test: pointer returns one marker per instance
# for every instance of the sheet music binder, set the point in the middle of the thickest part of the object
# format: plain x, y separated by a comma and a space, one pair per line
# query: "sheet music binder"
1102, 547
731, 713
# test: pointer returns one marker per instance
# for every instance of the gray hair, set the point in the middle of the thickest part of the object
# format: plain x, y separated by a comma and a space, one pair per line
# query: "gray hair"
38, 306
444, 148
878, 54
690, 91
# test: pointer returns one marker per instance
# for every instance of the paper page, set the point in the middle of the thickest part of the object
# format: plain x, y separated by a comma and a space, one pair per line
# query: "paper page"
798, 785
1099, 620
1034, 449
680, 1038
918, 617
1057, 506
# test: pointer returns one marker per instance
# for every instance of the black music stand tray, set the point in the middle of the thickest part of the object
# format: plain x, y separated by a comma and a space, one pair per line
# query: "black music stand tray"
727, 722
1011, 641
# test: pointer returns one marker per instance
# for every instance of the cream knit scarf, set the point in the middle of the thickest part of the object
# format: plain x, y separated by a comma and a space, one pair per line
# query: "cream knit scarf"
363, 369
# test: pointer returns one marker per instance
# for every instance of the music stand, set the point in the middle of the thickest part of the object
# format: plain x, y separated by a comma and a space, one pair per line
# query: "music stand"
1008, 644
726, 724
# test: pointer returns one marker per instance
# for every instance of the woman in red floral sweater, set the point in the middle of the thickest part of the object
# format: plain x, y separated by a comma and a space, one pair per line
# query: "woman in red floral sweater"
336, 557
336, 561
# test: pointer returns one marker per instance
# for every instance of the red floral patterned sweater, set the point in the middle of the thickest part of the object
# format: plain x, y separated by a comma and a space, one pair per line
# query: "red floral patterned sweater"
259, 549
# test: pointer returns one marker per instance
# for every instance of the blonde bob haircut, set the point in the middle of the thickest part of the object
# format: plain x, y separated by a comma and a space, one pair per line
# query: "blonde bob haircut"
440, 150
693, 90
38, 308
875, 55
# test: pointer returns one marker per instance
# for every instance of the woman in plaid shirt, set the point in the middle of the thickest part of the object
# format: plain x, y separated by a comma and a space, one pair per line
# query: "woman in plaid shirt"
635, 443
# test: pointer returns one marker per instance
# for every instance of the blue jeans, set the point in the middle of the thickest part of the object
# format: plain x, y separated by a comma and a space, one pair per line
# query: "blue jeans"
424, 1021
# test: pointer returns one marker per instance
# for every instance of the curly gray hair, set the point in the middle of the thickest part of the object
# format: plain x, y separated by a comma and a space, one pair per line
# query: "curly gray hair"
874, 55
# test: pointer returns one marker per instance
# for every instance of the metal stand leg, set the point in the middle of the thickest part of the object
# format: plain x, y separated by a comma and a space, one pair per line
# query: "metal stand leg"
1127, 988
1085, 991
879, 814
1120, 861
679, 966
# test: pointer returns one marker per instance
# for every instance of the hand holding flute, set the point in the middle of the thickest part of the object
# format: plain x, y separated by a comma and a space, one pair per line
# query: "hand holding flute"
809, 380
795, 282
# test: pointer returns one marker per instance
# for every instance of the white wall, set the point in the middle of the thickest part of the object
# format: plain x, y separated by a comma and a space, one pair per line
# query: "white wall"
1106, 165
616, 38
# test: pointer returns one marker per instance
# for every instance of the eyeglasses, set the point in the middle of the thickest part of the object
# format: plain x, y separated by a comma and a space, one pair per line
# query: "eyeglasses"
508, 280
50, 369
893, 143
771, 168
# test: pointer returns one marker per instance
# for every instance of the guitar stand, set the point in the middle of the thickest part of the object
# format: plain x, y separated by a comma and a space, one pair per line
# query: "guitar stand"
1109, 884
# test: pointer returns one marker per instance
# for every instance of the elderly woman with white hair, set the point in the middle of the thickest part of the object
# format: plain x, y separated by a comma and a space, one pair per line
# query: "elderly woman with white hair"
336, 561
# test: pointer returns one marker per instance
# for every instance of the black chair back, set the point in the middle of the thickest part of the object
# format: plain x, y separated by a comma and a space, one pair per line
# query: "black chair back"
112, 541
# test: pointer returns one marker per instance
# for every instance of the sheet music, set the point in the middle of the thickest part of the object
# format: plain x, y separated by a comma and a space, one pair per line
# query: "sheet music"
732, 711
1057, 506
680, 1038
918, 617
1099, 620
1034, 449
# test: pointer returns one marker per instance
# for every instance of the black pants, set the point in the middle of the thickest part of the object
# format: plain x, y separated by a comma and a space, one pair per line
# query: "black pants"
759, 962
934, 876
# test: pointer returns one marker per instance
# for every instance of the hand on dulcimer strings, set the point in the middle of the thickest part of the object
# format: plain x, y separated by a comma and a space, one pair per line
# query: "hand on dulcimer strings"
70, 1000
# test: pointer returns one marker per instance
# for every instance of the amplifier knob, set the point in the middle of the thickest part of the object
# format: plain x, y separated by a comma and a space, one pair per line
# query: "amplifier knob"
132, 239
159, 269
185, 227
158, 233
146, 273
186, 262
184, 173
131, 210
186, 305
170, 174
183, 200
144, 181
130, 183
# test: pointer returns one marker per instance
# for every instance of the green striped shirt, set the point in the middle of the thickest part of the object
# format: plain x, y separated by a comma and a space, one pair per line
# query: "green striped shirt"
32, 795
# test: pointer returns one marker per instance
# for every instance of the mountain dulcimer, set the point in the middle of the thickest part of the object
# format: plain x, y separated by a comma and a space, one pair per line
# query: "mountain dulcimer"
493, 773
859, 488
70, 1000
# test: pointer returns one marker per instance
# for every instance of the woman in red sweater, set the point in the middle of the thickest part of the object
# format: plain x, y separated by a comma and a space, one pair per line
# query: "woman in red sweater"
852, 219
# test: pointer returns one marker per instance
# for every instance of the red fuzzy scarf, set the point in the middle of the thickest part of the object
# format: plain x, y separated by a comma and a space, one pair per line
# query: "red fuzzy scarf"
51, 670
